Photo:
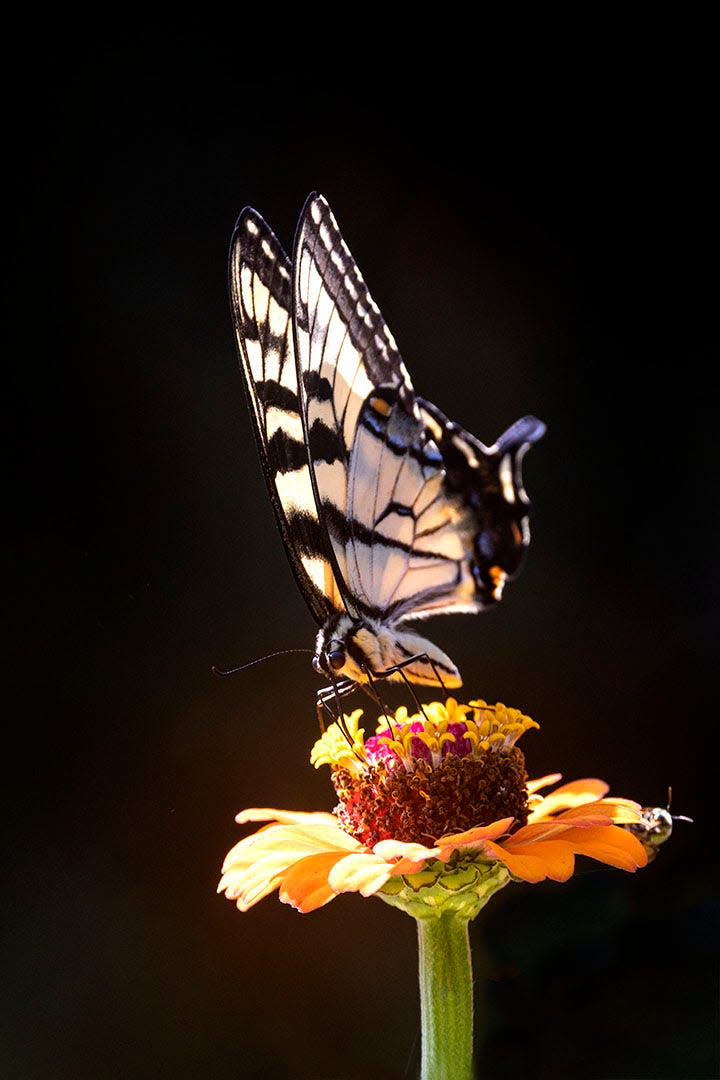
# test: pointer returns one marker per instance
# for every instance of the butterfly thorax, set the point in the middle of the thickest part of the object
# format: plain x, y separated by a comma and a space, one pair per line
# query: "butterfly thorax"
364, 648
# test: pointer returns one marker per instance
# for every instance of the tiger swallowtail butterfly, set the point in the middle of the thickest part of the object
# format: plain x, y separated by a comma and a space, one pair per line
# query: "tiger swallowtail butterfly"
389, 511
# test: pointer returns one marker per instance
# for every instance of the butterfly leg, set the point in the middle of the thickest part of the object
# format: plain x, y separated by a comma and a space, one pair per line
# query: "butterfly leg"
418, 704
373, 692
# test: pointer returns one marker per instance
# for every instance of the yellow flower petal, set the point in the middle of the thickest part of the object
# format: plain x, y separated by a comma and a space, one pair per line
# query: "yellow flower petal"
247, 890
576, 793
394, 849
289, 842
544, 781
364, 872
286, 817
257, 864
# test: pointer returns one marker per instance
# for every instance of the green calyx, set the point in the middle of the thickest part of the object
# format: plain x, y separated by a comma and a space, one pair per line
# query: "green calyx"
462, 888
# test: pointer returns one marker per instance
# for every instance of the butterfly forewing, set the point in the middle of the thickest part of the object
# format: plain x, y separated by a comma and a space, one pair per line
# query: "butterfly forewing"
345, 352
261, 292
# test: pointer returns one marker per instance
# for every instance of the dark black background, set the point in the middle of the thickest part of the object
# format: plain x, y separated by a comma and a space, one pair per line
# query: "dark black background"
530, 255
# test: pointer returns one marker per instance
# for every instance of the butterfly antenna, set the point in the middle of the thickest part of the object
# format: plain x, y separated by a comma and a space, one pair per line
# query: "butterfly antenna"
260, 660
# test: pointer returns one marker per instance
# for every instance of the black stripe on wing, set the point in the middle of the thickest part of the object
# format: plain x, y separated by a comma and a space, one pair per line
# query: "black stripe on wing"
261, 295
420, 543
318, 234
343, 350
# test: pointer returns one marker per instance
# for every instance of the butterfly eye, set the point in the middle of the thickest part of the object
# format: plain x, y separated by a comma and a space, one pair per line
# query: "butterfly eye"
330, 659
336, 656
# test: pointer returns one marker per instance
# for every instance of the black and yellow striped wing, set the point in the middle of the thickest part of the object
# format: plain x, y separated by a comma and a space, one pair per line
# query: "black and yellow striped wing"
388, 510
261, 295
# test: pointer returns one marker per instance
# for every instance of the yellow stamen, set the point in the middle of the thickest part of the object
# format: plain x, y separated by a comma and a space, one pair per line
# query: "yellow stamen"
489, 728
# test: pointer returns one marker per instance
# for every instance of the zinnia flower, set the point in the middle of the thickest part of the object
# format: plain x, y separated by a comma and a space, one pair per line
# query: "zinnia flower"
435, 814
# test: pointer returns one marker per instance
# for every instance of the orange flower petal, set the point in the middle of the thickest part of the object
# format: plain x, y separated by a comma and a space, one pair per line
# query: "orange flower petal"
535, 862
609, 844
533, 853
556, 855
305, 885
407, 866
624, 811
473, 837
544, 830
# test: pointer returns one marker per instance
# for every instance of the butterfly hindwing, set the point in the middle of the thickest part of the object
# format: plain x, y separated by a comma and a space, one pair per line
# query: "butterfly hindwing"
485, 482
408, 538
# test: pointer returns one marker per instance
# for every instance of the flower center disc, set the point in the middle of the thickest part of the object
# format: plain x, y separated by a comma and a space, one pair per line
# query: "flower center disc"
422, 805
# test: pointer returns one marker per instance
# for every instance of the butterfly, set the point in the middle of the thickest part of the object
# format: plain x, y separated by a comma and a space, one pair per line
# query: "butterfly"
389, 511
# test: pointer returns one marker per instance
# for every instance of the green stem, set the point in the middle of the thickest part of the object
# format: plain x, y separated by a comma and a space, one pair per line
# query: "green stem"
446, 998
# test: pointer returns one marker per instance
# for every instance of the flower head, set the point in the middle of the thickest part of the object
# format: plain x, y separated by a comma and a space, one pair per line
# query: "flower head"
435, 811
420, 776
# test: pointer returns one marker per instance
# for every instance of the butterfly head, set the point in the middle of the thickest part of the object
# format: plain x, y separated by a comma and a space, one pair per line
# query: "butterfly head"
330, 659
338, 651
